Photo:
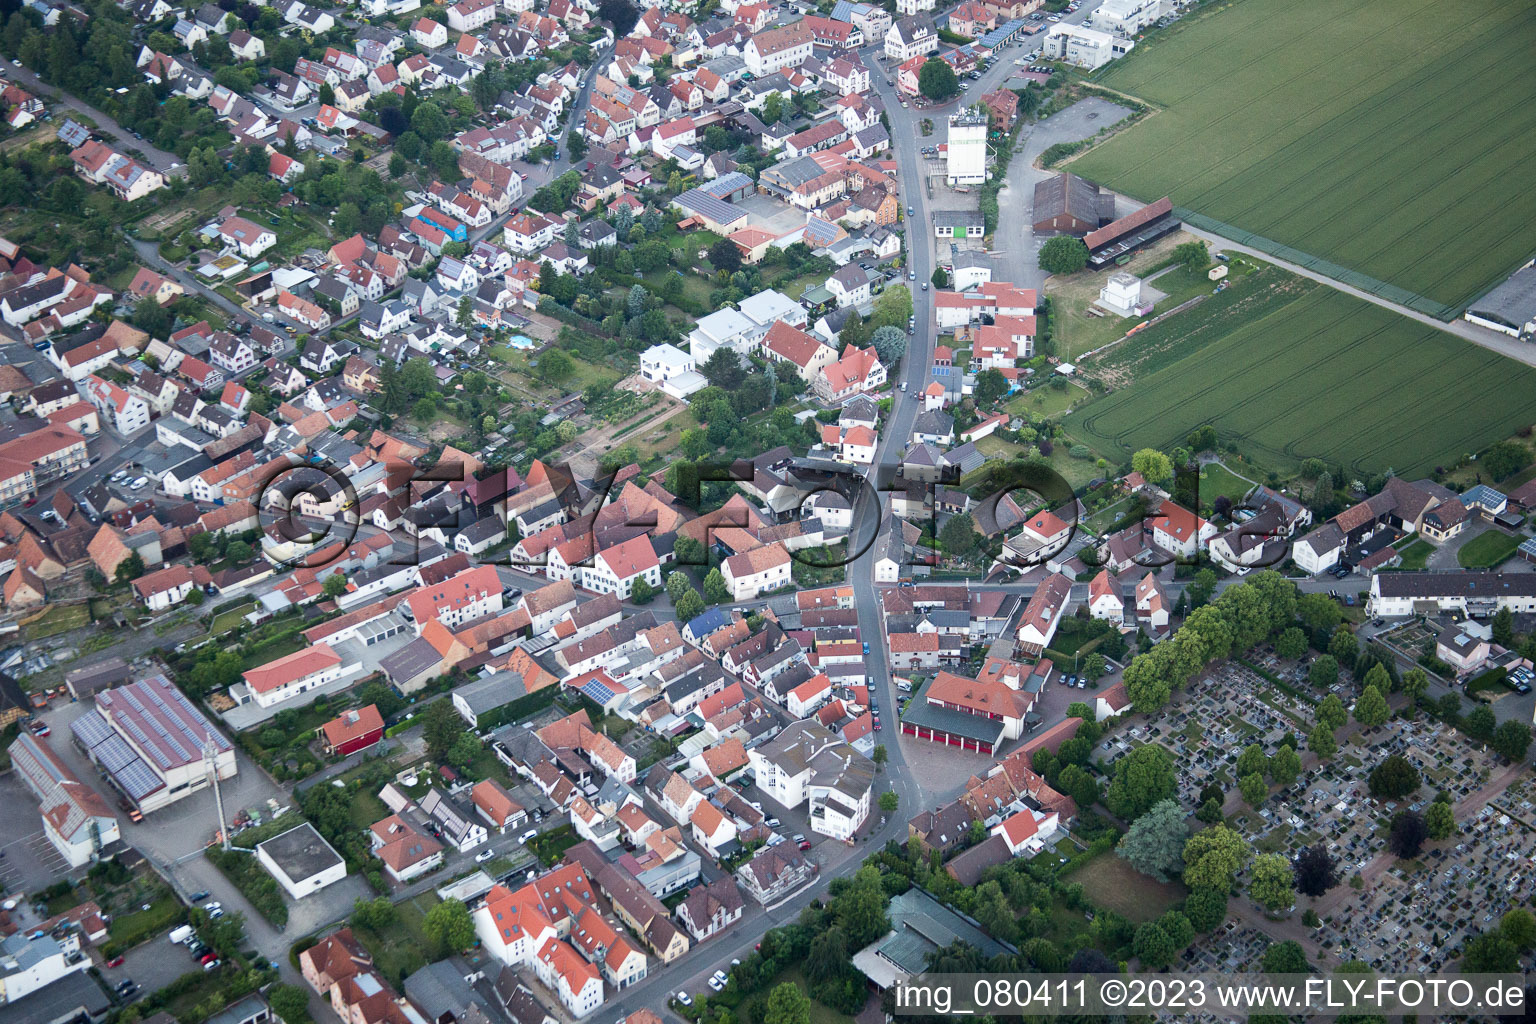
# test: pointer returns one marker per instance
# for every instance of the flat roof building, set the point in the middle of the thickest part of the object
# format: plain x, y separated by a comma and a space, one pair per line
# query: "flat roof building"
301, 860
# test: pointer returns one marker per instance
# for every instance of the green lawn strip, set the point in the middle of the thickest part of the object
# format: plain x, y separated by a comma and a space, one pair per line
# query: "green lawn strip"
1487, 550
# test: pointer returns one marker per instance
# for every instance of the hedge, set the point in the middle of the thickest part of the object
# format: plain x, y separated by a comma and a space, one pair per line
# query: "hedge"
258, 887
518, 709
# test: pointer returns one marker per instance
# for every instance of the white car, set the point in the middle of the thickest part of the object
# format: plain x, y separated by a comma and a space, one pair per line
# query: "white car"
484, 855
523, 839
685, 998
717, 984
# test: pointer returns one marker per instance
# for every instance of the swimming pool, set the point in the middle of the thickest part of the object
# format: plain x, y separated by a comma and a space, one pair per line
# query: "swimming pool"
520, 341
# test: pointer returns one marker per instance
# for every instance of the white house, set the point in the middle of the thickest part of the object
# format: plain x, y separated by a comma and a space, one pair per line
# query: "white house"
294, 674
1104, 600
757, 571
807, 764
251, 240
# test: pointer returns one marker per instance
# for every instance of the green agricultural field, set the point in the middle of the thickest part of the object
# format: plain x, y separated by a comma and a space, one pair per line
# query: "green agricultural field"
1371, 134
1290, 369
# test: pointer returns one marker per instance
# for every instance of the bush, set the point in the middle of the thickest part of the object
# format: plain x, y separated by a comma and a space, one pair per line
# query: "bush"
258, 887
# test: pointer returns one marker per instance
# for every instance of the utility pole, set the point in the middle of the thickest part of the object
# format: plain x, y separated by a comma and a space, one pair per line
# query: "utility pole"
210, 754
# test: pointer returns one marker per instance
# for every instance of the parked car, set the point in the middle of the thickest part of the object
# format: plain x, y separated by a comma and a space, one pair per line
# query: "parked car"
198, 897
717, 984
772, 823
116, 961
805, 844
212, 965
523, 839
685, 998
484, 855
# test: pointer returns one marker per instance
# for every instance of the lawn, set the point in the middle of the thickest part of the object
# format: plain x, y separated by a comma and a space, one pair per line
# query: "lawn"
1288, 369
1110, 882
403, 948
1327, 129
1487, 550
1217, 481
59, 619
1416, 555
1045, 400
229, 618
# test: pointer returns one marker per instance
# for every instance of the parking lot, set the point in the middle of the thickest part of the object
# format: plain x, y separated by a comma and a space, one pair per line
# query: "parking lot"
28, 861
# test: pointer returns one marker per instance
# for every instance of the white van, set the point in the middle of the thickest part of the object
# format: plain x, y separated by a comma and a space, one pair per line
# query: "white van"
903, 686
138, 484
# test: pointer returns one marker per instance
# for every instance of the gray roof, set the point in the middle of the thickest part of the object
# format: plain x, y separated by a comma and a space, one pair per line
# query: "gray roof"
300, 852
958, 218
1513, 302
696, 200
490, 693
1488, 585
440, 989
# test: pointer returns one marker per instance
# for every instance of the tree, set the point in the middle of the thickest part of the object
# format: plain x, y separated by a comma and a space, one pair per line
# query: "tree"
959, 536
1064, 255
449, 925
428, 122
1143, 777
1286, 958
787, 1005
1394, 778
441, 727
1193, 255
555, 366
1480, 723
1321, 742
1213, 858
1251, 761
689, 606
1094, 665
1371, 709
939, 277
879, 755
1206, 909
1315, 871
1153, 465
1291, 644
715, 588
1271, 882
1415, 683
1505, 459
334, 586
1285, 766
465, 317
1408, 834
990, 386
1440, 820
1152, 946
936, 80
1154, 844
375, 915
131, 568
725, 255
890, 344
1490, 953
1503, 626
889, 801
677, 585
1512, 739
1253, 789
1330, 711
290, 1002
1519, 927
1344, 647
641, 592
723, 369
1318, 611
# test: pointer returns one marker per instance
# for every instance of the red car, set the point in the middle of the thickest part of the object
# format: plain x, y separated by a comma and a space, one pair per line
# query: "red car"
210, 955
116, 961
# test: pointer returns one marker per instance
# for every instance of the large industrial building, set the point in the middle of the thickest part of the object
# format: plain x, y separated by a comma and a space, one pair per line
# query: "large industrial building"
152, 743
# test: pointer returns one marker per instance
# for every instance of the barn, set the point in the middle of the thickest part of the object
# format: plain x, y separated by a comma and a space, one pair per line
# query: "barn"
1068, 205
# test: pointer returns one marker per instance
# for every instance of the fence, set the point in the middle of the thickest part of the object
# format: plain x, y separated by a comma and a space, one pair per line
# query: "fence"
1316, 264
